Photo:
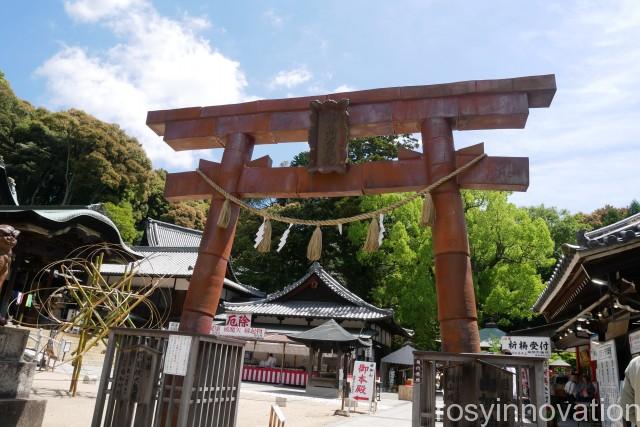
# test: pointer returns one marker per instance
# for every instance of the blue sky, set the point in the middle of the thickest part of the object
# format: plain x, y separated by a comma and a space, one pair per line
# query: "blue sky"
119, 58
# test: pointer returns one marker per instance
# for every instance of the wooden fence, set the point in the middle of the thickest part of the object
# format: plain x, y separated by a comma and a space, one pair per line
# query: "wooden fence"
146, 371
276, 417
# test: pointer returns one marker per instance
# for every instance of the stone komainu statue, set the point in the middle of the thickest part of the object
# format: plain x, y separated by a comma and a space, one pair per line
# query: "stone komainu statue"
8, 239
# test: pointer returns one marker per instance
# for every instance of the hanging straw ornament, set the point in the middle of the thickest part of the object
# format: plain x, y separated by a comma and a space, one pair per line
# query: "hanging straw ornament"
283, 239
314, 250
263, 237
373, 234
225, 214
428, 211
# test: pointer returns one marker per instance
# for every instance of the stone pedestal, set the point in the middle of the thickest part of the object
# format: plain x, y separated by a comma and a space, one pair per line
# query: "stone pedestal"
16, 377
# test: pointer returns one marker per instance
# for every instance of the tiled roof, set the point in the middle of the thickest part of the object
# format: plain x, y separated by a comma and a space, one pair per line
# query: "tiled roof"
619, 233
171, 262
164, 234
307, 309
59, 219
353, 306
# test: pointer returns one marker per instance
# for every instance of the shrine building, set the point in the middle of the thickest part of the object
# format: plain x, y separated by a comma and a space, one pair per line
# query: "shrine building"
168, 253
591, 301
305, 304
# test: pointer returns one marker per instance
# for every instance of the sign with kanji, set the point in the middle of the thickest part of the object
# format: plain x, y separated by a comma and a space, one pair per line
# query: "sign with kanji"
527, 346
240, 320
417, 371
364, 381
238, 331
608, 381
177, 355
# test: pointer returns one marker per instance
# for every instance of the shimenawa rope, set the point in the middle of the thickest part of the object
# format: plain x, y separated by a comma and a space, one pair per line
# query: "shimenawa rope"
334, 222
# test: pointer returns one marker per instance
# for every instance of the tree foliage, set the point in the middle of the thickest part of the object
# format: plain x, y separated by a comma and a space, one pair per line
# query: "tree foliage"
122, 217
72, 158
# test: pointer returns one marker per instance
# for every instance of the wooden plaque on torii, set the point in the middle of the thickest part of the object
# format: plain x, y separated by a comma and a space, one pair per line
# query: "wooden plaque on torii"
434, 111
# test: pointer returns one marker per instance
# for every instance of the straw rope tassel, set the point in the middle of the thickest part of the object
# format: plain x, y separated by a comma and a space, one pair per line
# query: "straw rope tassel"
373, 233
428, 211
225, 214
265, 244
314, 250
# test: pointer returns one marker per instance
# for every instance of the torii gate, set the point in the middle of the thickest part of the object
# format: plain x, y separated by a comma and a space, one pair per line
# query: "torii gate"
433, 110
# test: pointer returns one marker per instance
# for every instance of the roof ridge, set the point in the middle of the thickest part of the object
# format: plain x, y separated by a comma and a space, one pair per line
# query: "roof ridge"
613, 228
330, 281
170, 225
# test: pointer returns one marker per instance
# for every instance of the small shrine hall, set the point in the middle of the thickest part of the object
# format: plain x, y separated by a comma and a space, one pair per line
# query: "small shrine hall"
303, 305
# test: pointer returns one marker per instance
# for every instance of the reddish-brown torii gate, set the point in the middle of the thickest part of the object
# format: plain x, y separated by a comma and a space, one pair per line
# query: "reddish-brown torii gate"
433, 110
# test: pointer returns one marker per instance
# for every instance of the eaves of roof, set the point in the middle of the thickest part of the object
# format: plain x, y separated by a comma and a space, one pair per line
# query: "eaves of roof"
602, 240
268, 304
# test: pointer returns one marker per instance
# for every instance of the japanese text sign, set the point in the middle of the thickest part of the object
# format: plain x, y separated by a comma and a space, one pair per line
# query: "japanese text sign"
238, 332
527, 346
364, 381
239, 320
177, 355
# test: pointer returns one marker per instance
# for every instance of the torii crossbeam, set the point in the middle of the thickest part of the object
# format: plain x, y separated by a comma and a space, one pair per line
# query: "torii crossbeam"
434, 111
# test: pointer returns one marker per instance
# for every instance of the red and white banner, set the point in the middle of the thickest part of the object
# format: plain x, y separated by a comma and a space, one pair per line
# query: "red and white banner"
274, 376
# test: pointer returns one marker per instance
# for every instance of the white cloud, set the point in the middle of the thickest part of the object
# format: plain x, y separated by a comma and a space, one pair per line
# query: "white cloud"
159, 63
344, 88
291, 78
94, 10
583, 149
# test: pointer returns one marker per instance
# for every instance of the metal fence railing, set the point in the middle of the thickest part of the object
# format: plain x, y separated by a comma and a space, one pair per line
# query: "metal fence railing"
146, 373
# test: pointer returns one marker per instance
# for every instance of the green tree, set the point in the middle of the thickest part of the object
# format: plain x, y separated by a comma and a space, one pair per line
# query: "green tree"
191, 214
509, 248
604, 216
122, 216
70, 157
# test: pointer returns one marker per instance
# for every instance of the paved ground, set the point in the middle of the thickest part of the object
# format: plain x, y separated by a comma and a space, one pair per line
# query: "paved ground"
396, 413
255, 402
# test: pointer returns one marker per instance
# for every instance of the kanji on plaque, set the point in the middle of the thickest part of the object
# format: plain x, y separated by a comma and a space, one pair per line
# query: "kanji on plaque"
527, 346
240, 320
364, 381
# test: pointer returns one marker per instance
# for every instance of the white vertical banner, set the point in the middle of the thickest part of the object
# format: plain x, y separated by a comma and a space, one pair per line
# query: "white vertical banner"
176, 357
364, 381
608, 382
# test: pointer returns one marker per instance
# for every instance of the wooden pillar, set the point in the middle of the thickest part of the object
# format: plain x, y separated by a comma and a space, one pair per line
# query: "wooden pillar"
206, 283
456, 298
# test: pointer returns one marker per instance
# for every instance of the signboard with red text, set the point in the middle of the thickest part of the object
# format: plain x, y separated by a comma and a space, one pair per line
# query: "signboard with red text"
364, 381
239, 320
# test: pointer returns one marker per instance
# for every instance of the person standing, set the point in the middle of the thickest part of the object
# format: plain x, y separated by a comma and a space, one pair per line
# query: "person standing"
571, 388
629, 399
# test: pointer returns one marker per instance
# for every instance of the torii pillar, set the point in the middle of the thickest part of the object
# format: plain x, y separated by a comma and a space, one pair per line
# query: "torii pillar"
454, 282
202, 298
434, 111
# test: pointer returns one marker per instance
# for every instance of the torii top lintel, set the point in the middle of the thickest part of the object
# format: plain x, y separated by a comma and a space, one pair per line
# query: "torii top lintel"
469, 105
